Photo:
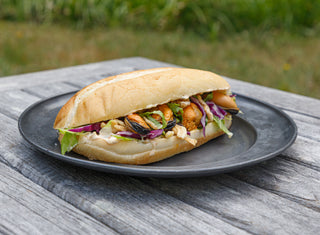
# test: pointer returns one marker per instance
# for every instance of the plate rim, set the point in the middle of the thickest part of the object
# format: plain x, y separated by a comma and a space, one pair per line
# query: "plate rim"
152, 171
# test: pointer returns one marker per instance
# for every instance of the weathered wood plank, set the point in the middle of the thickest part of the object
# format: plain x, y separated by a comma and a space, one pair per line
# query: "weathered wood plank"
15, 101
282, 99
304, 151
27, 208
93, 71
87, 78
247, 206
123, 203
308, 127
50, 89
287, 179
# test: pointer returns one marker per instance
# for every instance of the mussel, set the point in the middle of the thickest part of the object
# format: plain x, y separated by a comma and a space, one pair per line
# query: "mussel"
136, 124
171, 124
168, 115
231, 111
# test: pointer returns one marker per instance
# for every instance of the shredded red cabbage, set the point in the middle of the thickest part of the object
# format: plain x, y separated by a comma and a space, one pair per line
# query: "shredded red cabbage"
233, 95
96, 127
92, 127
129, 134
216, 110
203, 118
151, 135
154, 133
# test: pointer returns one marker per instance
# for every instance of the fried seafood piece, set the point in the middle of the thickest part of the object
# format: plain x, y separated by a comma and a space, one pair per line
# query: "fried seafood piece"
167, 112
224, 101
191, 117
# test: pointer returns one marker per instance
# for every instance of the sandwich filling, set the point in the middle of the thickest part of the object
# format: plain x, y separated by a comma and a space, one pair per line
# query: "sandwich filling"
176, 118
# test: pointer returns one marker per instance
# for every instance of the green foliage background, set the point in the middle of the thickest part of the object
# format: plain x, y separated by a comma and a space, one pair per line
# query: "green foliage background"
205, 17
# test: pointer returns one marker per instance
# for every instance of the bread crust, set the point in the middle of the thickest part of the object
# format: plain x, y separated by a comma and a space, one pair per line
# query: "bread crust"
120, 95
139, 152
126, 93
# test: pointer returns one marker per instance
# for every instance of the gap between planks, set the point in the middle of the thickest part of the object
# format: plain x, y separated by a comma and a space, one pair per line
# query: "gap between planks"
33, 201
206, 199
274, 180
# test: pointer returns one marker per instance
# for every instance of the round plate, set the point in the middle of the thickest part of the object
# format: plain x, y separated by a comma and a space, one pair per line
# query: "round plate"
261, 132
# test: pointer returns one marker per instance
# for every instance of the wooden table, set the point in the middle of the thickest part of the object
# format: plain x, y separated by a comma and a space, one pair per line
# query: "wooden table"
41, 195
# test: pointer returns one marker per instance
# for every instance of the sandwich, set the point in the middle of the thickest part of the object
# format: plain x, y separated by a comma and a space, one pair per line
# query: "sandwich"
146, 116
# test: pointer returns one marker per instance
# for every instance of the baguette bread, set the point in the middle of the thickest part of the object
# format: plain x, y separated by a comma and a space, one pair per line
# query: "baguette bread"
118, 96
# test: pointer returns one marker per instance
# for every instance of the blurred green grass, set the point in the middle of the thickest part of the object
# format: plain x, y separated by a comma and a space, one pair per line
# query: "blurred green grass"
210, 18
279, 60
272, 43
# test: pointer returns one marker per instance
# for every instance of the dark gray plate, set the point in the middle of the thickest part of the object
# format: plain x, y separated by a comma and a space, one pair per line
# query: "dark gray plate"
261, 132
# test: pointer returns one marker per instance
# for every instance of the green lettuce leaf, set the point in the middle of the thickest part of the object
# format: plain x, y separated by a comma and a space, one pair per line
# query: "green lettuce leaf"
222, 126
177, 110
123, 138
157, 124
208, 97
69, 140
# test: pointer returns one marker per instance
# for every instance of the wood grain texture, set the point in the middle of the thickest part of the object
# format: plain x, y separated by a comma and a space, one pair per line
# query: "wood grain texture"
120, 202
81, 73
305, 152
277, 196
286, 100
27, 208
286, 179
14, 102
49, 89
246, 206
308, 126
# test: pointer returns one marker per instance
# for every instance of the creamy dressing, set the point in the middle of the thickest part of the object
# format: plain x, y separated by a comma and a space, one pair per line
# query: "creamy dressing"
111, 140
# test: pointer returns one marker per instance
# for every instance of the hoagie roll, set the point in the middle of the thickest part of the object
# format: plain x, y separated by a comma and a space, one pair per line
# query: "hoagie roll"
146, 116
